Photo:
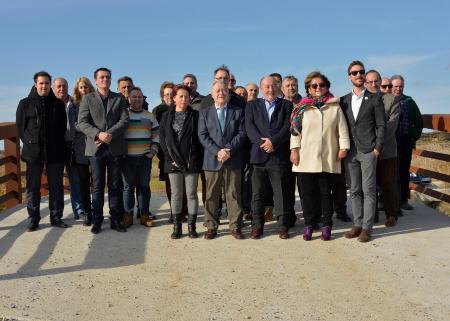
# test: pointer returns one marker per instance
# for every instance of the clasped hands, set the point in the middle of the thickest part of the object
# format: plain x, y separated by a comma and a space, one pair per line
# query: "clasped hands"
267, 145
223, 155
103, 138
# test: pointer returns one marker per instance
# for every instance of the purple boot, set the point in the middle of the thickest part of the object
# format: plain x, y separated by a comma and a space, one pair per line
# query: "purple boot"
307, 233
326, 233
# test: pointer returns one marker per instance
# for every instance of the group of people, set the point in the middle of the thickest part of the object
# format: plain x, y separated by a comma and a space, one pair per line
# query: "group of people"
248, 152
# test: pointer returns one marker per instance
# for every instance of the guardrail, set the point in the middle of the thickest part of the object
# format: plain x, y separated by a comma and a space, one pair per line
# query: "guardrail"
13, 173
439, 123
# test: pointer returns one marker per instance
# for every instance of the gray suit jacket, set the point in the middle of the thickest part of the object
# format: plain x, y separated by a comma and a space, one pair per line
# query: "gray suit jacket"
212, 138
392, 109
92, 120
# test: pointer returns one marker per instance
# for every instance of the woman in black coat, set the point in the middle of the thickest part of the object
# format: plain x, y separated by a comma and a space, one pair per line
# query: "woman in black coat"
183, 157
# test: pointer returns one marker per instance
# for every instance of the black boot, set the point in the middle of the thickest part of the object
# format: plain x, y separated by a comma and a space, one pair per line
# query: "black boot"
34, 224
116, 225
192, 219
176, 234
96, 225
87, 219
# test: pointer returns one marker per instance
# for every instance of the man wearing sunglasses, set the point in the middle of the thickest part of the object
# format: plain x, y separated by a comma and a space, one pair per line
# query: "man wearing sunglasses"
366, 122
386, 85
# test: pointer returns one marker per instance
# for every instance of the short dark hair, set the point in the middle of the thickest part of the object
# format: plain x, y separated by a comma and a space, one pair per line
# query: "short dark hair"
276, 75
222, 67
316, 74
374, 71
42, 73
136, 88
124, 78
190, 76
181, 87
354, 63
101, 69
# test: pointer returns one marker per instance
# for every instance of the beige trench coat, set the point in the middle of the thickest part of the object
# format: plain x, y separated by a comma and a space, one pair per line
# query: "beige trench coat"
324, 133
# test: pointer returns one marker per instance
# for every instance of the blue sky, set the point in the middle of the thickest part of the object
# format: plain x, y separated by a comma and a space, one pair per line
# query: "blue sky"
154, 41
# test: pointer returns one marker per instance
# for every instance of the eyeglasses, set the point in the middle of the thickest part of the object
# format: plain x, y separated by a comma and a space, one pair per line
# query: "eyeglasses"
372, 82
386, 86
355, 72
315, 86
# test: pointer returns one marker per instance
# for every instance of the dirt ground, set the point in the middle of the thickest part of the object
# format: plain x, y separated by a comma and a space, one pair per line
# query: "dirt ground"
56, 274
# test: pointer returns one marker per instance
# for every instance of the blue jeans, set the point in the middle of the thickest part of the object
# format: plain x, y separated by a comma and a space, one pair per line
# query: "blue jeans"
136, 174
75, 194
104, 162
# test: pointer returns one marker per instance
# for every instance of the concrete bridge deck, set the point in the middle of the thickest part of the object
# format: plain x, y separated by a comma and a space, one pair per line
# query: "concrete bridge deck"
70, 274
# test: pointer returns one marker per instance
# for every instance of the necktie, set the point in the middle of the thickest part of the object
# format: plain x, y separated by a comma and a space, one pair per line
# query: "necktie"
222, 118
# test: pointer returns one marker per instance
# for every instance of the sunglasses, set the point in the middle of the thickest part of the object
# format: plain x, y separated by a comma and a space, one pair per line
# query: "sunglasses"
355, 72
315, 86
386, 86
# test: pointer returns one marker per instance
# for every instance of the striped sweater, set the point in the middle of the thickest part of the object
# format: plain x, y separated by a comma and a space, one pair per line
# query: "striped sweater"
142, 135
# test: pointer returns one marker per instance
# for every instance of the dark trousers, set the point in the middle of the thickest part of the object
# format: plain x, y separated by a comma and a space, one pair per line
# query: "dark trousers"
275, 177
339, 193
246, 188
404, 148
292, 178
55, 173
105, 163
387, 170
85, 186
311, 184
136, 175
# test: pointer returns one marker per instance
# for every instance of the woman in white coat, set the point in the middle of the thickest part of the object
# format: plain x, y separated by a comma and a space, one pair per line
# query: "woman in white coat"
319, 142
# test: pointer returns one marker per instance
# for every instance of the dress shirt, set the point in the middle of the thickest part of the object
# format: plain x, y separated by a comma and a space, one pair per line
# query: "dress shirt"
270, 107
356, 102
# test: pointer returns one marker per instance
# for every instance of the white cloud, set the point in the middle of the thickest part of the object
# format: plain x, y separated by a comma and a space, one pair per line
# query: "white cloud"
396, 62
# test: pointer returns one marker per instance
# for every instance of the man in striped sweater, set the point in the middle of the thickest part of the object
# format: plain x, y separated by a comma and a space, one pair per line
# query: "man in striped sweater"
142, 138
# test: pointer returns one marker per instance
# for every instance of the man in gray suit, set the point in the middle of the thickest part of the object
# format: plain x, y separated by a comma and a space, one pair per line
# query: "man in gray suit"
366, 122
387, 164
103, 118
221, 132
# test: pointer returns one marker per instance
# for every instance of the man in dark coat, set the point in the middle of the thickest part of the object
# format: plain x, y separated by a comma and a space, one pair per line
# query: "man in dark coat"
267, 127
41, 123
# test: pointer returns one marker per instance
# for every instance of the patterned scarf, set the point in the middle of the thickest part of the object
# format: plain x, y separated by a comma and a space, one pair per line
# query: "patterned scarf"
297, 112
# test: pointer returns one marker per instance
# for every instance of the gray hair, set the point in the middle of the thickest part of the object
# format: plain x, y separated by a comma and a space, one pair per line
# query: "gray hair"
398, 77
60, 78
215, 82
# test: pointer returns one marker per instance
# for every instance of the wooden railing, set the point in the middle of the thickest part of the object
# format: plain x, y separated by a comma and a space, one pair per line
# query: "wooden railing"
13, 192
439, 123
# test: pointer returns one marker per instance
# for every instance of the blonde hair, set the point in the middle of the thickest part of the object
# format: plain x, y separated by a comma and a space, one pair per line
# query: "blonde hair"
76, 93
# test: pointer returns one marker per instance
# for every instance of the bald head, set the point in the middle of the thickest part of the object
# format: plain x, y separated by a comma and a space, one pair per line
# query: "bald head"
61, 89
269, 88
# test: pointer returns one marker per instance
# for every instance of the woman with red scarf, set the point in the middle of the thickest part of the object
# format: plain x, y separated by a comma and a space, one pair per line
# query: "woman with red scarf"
319, 142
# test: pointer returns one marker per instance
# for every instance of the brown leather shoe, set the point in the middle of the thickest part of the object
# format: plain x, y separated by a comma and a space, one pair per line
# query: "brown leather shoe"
237, 234
364, 236
390, 221
354, 232
256, 234
283, 234
210, 234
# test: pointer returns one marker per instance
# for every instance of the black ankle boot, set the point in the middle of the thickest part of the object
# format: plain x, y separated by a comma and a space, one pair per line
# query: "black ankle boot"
192, 219
87, 219
176, 234
117, 225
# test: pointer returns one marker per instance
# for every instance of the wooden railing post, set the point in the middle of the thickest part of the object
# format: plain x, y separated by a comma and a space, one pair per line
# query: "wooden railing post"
12, 148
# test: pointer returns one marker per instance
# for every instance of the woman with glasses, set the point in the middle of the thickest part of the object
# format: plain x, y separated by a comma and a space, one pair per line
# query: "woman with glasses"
319, 141
183, 157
